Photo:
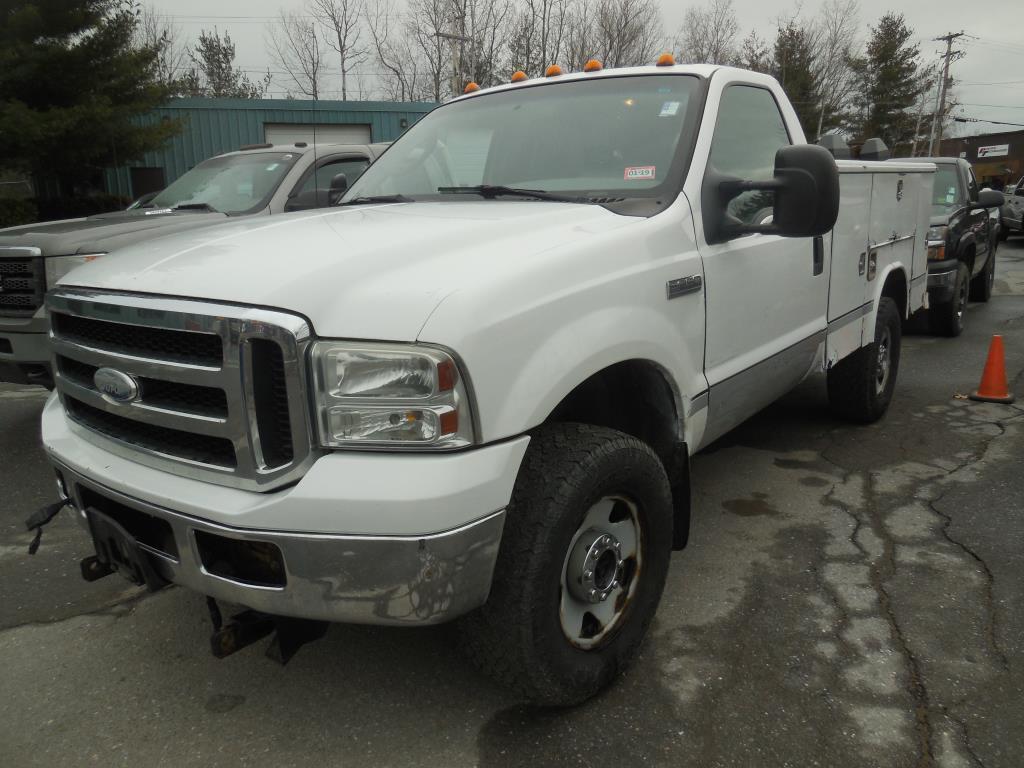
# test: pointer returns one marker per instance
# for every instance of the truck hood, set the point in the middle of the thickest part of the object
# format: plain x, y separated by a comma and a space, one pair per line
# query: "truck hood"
368, 272
105, 232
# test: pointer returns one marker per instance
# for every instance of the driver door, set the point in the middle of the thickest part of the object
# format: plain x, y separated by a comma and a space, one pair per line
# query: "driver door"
766, 295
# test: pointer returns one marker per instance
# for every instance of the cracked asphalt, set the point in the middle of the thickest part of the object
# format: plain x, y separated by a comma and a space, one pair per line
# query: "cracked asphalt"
851, 596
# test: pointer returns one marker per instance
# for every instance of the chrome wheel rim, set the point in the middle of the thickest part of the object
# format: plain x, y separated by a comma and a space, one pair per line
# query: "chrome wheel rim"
600, 572
884, 361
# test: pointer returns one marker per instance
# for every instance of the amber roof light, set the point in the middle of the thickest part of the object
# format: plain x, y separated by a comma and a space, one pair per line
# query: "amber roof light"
553, 71
518, 76
593, 66
666, 60
470, 87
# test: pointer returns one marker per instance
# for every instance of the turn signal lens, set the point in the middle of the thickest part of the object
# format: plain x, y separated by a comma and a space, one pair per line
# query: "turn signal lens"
593, 66
666, 60
936, 252
553, 71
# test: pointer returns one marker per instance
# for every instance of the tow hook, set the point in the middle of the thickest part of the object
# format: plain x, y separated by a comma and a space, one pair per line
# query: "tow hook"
248, 627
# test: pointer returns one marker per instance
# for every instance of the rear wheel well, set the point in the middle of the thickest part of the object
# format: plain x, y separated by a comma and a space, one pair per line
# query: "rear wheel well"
635, 397
896, 289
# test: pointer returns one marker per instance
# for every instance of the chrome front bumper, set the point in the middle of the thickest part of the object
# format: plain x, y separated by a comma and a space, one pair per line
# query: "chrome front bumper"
361, 579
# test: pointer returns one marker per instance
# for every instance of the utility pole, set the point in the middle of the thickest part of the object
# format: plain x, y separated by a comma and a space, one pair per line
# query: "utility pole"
941, 111
457, 35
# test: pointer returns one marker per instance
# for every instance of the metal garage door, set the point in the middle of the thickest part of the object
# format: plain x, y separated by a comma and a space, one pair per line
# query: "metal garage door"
284, 133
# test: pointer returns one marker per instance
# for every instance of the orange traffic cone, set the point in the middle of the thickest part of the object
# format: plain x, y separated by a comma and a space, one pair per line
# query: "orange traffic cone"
993, 387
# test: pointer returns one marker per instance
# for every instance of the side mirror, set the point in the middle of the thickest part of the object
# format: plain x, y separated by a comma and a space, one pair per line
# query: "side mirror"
989, 198
1019, 191
806, 187
339, 183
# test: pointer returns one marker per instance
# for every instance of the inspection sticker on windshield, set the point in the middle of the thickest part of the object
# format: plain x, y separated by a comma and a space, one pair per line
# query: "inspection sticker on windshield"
669, 108
639, 173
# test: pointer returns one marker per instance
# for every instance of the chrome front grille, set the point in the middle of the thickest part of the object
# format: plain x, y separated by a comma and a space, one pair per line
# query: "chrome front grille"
22, 281
219, 391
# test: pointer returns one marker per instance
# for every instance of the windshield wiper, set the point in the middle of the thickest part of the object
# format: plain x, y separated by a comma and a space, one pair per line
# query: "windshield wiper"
489, 192
195, 207
378, 199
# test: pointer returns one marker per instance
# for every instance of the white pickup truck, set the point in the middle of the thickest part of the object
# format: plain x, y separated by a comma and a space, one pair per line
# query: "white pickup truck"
471, 390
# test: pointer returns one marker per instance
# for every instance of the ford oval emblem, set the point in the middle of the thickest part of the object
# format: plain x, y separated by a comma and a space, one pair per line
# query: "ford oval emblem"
115, 386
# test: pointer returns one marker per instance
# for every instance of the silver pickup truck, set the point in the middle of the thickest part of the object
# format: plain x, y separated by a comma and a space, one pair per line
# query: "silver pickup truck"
1011, 215
256, 180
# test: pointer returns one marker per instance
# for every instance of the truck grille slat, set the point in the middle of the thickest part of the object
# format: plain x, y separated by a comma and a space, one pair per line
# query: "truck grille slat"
213, 392
143, 341
214, 451
22, 285
187, 398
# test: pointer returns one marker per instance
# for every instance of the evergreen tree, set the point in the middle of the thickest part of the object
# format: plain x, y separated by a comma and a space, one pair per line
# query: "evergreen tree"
213, 72
73, 86
794, 67
888, 84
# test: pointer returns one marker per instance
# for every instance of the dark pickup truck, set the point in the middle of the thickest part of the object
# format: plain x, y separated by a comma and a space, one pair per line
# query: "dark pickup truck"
257, 180
961, 243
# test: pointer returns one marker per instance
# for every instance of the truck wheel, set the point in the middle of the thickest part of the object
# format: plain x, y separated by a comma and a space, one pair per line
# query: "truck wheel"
860, 386
581, 568
981, 286
947, 319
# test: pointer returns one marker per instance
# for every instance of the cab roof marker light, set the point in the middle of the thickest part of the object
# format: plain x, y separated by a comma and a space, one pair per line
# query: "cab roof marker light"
666, 60
518, 76
553, 71
593, 66
471, 87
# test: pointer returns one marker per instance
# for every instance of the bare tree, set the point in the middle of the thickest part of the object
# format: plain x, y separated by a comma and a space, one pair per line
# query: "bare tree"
835, 40
153, 31
708, 34
401, 78
425, 24
628, 31
294, 45
343, 24
538, 34
480, 30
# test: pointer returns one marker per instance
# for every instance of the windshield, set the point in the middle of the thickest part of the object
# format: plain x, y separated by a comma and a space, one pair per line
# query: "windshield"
946, 192
232, 184
614, 137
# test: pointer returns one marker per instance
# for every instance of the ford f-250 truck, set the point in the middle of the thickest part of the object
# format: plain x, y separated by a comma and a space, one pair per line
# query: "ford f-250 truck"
256, 180
471, 391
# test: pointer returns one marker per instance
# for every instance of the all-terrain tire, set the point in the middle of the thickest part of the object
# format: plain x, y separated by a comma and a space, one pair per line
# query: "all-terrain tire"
858, 388
947, 318
981, 285
517, 636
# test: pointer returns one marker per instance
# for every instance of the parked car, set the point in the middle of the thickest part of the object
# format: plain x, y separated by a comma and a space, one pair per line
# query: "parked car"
256, 180
471, 391
1012, 212
961, 252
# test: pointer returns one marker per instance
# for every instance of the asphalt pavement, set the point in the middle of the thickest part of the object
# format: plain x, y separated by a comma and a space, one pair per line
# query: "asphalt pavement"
851, 596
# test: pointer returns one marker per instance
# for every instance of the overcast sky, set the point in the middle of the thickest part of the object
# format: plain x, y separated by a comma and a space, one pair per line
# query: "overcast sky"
989, 78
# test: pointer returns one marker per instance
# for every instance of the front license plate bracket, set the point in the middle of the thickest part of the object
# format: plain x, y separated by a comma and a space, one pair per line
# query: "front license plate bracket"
117, 549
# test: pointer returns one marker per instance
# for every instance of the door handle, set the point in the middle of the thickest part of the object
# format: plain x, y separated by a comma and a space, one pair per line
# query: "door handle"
819, 255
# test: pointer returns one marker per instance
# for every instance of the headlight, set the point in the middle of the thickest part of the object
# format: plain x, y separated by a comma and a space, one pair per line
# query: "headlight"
389, 396
936, 239
58, 266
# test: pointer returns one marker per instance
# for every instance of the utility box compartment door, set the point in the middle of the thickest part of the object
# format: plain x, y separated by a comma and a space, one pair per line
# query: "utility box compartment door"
847, 291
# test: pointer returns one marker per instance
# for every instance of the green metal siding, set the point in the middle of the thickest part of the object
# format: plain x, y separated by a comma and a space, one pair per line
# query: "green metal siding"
213, 126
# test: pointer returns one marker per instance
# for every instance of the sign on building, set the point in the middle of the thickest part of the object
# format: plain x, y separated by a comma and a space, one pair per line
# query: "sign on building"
995, 150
